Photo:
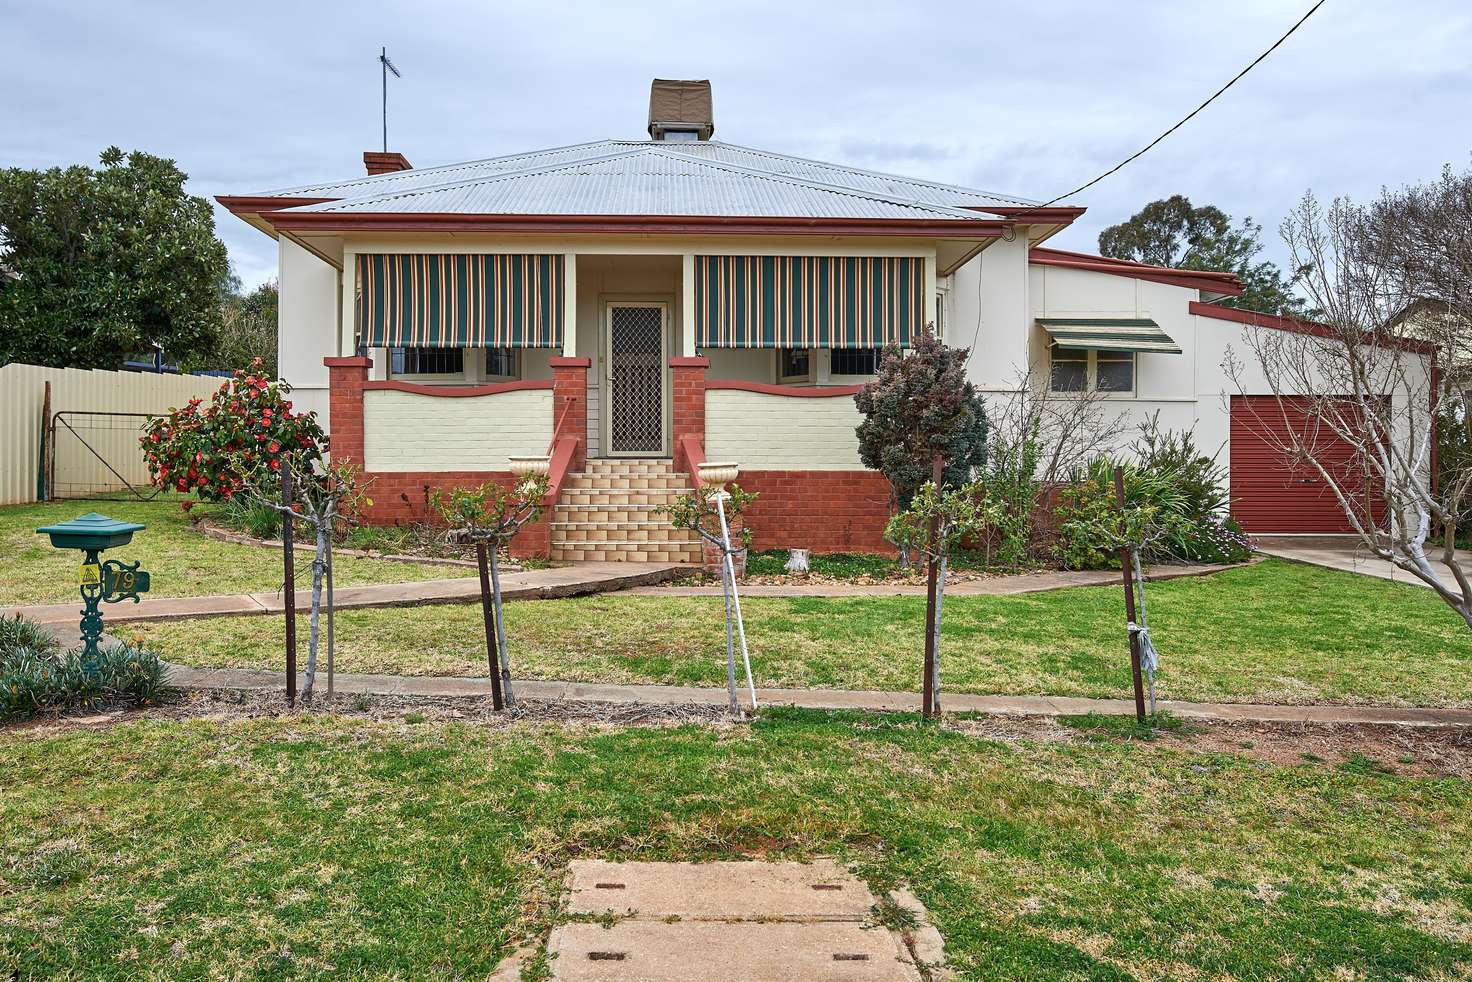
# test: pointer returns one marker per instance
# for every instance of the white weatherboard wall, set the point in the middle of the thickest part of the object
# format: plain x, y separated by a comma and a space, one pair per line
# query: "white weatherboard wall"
77, 469
407, 431
760, 431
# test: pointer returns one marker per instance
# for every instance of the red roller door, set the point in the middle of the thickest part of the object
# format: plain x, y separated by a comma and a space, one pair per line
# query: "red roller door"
1270, 493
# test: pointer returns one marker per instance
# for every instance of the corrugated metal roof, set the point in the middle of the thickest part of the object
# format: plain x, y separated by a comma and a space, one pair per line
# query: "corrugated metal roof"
761, 161
644, 180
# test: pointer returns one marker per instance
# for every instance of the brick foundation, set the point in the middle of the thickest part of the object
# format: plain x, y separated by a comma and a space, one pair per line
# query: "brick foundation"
825, 511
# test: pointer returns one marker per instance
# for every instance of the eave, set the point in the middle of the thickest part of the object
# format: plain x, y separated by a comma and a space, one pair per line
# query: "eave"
1223, 284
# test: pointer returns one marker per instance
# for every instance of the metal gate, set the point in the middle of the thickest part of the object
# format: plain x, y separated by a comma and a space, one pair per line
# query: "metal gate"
96, 455
636, 374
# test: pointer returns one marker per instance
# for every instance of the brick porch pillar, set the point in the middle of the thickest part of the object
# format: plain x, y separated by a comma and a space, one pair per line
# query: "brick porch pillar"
346, 378
570, 402
688, 389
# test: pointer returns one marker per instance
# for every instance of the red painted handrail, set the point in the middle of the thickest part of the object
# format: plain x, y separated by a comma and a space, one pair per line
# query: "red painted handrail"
692, 455
562, 452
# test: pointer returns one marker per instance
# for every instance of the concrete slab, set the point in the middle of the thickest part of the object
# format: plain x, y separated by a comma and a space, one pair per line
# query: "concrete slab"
1347, 554
820, 889
712, 951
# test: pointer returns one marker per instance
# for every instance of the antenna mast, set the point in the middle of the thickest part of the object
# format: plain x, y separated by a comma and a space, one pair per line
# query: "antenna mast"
387, 66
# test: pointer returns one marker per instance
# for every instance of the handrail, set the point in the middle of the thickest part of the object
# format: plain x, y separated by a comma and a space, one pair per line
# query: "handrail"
795, 391
557, 426
692, 455
562, 452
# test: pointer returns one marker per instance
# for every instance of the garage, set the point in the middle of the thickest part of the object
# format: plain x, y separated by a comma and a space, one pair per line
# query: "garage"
1272, 494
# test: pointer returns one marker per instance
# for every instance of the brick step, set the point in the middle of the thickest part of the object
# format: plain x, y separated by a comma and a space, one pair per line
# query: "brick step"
620, 531
616, 498
625, 482
564, 513
606, 465
627, 552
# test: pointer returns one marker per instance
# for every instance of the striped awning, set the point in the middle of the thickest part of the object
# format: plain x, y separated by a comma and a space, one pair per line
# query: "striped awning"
460, 301
808, 301
1109, 334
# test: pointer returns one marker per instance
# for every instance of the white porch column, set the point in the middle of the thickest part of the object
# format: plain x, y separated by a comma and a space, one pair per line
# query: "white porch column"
687, 305
932, 316
570, 305
348, 308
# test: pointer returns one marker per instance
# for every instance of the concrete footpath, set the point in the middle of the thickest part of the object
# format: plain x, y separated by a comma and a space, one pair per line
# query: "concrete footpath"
671, 695
1348, 555
531, 584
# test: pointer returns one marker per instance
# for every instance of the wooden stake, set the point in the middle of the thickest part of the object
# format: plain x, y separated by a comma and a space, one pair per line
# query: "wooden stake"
288, 589
929, 698
1127, 565
493, 661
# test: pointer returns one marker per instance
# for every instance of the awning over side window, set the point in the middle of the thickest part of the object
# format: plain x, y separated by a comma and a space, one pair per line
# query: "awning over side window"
460, 301
808, 301
1109, 334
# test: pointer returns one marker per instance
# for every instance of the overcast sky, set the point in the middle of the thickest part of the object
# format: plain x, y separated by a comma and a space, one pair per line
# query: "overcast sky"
1030, 99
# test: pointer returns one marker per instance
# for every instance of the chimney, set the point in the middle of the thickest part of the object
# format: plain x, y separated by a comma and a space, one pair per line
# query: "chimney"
679, 109
385, 163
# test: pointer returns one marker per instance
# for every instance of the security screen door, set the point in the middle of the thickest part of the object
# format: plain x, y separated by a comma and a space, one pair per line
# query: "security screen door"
636, 367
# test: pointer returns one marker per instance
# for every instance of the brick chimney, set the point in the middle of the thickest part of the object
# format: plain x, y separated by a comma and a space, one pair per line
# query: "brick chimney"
385, 163
680, 109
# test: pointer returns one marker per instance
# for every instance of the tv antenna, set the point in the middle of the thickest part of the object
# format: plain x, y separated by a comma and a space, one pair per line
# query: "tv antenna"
388, 66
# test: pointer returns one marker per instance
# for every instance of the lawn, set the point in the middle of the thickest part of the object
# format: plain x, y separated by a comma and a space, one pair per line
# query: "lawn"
296, 848
1274, 632
184, 563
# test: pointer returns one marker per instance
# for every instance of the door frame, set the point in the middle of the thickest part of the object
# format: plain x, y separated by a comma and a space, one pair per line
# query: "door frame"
607, 303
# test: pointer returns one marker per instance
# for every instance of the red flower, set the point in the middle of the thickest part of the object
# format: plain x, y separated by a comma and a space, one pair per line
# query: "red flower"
275, 465
275, 447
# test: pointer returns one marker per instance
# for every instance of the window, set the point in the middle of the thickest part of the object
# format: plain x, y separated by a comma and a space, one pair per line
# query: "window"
855, 361
940, 315
1070, 370
427, 361
794, 365
1114, 371
502, 363
1077, 370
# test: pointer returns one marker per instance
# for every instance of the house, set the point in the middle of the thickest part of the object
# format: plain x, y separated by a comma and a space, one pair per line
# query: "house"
631, 307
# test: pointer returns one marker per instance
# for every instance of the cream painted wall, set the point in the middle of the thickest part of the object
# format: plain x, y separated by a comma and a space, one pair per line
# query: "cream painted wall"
771, 432
988, 311
306, 329
406, 431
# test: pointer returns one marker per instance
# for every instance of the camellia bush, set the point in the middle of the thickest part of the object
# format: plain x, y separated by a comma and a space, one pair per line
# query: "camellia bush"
248, 425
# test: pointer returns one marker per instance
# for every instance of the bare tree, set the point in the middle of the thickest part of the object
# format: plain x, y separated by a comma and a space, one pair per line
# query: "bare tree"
1366, 377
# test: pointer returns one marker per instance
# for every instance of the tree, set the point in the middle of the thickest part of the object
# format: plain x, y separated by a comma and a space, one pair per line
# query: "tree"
917, 407
1172, 232
248, 329
107, 262
1369, 377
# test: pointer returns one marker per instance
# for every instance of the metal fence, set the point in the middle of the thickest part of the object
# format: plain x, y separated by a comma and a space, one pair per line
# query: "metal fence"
97, 415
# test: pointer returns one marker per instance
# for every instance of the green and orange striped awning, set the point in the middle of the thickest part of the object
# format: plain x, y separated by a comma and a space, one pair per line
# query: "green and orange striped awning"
808, 301
460, 301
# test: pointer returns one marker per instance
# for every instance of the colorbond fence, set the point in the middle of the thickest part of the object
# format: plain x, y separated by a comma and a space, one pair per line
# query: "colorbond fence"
87, 454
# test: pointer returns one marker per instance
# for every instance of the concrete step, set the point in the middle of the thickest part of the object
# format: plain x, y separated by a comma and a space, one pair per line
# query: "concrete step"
625, 482
564, 533
630, 465
615, 498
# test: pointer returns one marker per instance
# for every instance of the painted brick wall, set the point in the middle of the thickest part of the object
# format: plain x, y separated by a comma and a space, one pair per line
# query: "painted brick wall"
825, 511
407, 431
777, 432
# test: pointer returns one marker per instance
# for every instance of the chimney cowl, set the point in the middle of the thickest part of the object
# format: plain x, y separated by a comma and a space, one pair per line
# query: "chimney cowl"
385, 163
680, 109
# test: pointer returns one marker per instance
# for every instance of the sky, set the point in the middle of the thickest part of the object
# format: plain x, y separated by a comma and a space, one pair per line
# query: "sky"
1029, 99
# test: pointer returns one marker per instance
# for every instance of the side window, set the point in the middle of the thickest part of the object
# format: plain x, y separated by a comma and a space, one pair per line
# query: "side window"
855, 361
1114, 371
794, 365
426, 361
502, 363
1070, 370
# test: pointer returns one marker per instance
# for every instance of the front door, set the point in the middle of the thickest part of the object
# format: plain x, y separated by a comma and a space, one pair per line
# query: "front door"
636, 379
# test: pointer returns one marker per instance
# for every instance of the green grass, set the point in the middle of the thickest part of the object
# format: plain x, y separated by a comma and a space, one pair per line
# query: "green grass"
1274, 632
183, 562
302, 848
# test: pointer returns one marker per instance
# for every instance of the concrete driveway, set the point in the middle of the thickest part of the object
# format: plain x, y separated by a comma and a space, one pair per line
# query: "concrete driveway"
1347, 553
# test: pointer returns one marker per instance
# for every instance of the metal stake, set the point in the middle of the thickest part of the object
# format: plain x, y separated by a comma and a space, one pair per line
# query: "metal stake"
1127, 566
492, 657
929, 700
288, 589
735, 597
501, 626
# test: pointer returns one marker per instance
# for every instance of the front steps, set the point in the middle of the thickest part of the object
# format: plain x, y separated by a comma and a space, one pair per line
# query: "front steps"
608, 512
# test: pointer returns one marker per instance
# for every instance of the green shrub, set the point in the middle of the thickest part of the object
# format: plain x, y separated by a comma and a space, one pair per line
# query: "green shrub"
35, 678
254, 518
17, 632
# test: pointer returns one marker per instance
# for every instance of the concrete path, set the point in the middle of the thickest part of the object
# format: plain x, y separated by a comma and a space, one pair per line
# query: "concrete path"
992, 586
1347, 554
756, 921
406, 685
531, 584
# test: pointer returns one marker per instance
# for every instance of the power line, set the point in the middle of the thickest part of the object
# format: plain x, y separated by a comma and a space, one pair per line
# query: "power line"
1187, 118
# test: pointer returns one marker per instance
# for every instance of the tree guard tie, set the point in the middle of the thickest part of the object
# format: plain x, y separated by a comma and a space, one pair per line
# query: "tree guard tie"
1149, 660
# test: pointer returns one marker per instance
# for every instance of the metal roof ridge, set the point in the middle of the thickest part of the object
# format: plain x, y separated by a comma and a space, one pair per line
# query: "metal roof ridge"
1022, 202
414, 171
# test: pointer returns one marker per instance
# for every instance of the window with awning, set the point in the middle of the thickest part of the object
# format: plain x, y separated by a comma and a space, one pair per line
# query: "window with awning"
1109, 334
808, 301
426, 300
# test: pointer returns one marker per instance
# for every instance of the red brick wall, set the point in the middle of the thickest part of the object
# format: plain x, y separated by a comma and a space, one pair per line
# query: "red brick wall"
687, 389
345, 377
570, 402
402, 497
825, 511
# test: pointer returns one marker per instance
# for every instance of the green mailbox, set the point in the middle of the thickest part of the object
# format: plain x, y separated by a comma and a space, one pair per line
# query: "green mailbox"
100, 582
